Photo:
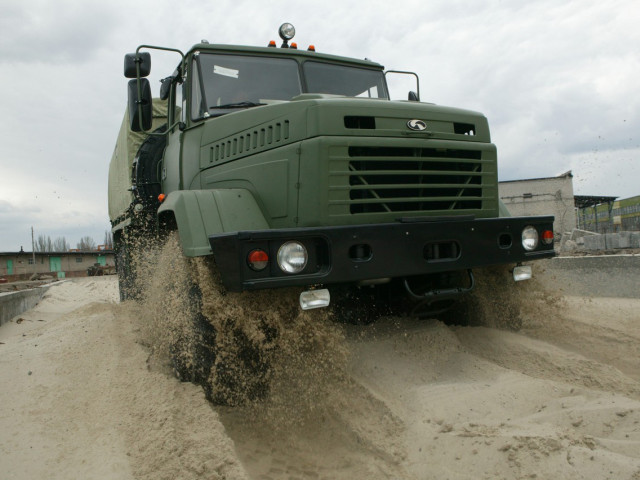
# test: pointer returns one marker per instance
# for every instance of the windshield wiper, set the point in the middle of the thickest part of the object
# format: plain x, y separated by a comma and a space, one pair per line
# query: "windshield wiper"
237, 105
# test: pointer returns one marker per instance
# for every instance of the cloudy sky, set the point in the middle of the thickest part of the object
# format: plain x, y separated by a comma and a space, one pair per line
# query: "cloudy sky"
558, 81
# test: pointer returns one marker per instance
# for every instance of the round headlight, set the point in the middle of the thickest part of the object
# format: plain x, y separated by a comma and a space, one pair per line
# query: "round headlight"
287, 31
529, 238
292, 257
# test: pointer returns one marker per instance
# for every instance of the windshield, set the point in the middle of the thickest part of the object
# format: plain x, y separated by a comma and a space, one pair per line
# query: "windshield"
224, 83
234, 81
343, 80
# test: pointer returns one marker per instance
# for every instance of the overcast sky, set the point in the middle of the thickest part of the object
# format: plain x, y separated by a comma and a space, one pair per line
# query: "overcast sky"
557, 80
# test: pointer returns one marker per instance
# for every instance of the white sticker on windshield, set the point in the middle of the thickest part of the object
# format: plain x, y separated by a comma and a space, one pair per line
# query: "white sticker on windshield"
227, 72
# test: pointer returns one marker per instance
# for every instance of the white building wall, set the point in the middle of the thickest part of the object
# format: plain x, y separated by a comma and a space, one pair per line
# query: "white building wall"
542, 196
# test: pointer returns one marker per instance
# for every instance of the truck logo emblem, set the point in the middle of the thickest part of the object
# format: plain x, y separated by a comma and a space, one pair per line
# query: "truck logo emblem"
418, 125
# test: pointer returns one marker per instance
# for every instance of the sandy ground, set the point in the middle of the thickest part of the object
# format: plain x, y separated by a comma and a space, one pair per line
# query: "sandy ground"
81, 397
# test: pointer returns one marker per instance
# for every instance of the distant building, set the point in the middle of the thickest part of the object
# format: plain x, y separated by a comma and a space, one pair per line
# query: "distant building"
608, 215
20, 265
542, 196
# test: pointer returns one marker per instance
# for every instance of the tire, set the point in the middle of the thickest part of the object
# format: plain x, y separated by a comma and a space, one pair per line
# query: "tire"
232, 348
359, 306
496, 301
192, 361
213, 338
146, 175
130, 247
123, 268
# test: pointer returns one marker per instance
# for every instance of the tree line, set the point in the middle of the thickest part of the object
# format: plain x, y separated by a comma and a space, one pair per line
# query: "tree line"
44, 243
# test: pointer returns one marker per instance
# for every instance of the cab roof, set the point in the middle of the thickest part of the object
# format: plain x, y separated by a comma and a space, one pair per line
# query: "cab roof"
302, 55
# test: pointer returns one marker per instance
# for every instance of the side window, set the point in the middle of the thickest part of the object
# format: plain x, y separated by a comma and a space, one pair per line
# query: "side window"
177, 101
369, 93
197, 101
181, 106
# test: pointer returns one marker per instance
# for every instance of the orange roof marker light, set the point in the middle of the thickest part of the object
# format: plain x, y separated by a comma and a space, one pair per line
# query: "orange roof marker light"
312, 48
294, 45
272, 43
161, 197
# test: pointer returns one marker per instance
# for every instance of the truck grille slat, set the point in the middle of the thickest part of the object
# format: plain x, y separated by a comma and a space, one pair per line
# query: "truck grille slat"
407, 185
406, 179
406, 199
405, 172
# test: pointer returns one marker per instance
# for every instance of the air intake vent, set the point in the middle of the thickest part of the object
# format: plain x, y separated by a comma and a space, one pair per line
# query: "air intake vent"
464, 129
250, 141
364, 123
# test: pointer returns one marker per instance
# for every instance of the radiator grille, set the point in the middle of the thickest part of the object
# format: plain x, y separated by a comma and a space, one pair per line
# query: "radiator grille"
401, 179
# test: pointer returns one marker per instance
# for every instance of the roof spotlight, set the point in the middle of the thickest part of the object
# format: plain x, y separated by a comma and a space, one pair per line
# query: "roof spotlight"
286, 32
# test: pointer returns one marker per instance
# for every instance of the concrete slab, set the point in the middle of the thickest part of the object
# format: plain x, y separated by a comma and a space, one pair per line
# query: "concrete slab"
14, 303
595, 242
625, 239
612, 240
596, 275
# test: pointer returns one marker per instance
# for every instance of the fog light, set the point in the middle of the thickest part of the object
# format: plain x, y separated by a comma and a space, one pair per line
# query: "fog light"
292, 257
315, 299
522, 272
529, 238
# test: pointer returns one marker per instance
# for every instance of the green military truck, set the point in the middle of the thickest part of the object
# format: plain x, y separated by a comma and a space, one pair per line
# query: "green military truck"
293, 168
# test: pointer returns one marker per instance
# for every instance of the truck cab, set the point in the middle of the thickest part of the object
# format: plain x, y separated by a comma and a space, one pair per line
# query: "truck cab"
291, 167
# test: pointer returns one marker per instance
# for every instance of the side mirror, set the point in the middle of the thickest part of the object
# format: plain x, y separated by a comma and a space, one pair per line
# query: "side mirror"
413, 97
140, 108
132, 59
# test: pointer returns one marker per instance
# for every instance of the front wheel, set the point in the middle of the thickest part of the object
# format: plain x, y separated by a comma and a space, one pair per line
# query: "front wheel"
240, 347
222, 341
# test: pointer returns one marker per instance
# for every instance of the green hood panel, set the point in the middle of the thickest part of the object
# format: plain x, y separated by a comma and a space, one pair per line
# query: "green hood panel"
228, 138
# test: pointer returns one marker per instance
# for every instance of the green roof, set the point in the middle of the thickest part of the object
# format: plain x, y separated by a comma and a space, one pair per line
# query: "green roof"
283, 53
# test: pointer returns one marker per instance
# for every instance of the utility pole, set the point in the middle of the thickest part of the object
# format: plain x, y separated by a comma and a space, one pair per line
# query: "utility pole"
33, 251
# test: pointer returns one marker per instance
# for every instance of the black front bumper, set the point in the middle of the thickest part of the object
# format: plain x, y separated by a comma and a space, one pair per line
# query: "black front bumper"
344, 254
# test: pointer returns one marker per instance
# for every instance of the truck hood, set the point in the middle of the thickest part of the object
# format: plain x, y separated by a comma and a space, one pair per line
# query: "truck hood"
336, 115
383, 118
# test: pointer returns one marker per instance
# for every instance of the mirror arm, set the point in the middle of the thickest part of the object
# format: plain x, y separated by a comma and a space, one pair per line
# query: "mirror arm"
138, 61
407, 73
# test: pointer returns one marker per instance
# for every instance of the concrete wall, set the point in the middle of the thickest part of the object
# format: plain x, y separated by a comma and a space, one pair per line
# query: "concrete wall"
610, 241
14, 303
542, 196
601, 275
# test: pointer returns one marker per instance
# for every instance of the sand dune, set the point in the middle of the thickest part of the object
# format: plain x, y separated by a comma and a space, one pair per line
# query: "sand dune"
83, 397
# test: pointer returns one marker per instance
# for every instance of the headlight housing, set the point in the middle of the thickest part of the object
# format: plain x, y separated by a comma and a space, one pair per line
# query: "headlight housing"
529, 238
292, 257
286, 31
